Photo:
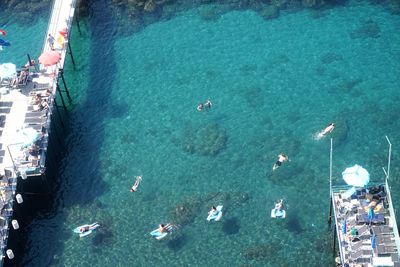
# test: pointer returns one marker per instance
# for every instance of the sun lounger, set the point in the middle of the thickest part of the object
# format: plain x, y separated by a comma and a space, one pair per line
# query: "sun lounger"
363, 218
6, 104
354, 256
5, 110
36, 114
384, 239
382, 249
35, 120
356, 245
363, 229
381, 230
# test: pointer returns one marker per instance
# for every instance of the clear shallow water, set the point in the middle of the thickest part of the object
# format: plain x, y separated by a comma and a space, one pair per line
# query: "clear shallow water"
273, 85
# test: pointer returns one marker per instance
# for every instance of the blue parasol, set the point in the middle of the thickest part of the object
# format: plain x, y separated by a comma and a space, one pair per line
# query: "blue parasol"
4, 43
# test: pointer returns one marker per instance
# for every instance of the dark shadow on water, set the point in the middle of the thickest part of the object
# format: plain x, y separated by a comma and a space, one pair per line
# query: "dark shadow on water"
231, 226
103, 237
82, 150
177, 243
293, 224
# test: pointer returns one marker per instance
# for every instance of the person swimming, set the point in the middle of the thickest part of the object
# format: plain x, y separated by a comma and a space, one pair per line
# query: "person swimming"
136, 184
200, 107
281, 158
327, 130
208, 104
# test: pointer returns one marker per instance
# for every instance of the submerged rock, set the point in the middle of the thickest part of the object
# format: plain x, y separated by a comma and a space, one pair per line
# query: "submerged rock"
207, 140
367, 29
186, 212
330, 57
269, 12
260, 252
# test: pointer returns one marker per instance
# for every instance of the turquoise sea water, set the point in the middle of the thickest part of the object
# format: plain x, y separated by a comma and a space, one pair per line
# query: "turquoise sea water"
273, 85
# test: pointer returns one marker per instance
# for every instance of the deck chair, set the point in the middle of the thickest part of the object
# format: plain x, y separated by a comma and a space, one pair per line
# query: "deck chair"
364, 230
354, 246
6, 104
355, 256
36, 114
34, 120
382, 249
381, 230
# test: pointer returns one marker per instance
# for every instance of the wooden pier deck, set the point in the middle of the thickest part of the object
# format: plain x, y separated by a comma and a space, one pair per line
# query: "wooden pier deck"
24, 111
365, 223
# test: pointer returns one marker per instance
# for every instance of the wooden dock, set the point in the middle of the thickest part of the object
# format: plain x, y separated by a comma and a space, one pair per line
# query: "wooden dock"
365, 224
26, 107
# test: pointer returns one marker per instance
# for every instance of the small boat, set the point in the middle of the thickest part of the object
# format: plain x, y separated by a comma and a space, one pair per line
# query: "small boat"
86, 229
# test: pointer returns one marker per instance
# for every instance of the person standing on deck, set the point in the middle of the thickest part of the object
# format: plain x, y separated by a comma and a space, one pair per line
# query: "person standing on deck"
51, 40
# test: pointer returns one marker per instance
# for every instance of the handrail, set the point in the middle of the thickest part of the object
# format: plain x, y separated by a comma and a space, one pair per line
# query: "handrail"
330, 167
389, 157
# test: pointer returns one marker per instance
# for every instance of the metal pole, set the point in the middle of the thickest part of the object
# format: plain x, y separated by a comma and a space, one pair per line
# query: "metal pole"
62, 98
330, 184
334, 241
70, 53
330, 212
77, 24
65, 84
12, 160
389, 156
58, 112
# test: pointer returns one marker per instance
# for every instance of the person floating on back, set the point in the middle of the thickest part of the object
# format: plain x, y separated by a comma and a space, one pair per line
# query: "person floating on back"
136, 184
278, 211
281, 158
326, 131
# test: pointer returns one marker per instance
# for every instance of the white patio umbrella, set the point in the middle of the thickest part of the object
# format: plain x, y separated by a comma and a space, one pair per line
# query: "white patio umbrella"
356, 176
27, 136
7, 70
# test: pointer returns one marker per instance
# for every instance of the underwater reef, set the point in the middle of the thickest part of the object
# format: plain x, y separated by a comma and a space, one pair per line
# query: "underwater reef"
141, 13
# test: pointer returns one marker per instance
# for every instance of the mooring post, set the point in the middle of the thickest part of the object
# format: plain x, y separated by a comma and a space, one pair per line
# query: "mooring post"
65, 84
62, 98
70, 53
77, 24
